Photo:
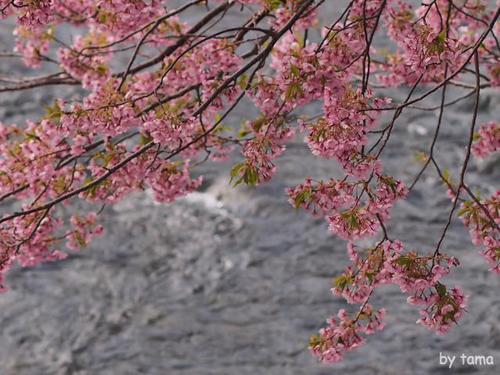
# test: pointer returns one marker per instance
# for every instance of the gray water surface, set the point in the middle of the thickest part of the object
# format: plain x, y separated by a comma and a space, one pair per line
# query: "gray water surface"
234, 281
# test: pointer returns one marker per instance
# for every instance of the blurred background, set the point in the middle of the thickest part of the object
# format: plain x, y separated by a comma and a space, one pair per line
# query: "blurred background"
235, 280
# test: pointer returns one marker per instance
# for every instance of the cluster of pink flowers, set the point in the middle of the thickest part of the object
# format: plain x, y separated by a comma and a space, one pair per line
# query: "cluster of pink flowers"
483, 220
415, 273
428, 44
169, 182
29, 242
117, 16
353, 210
91, 70
386, 263
83, 230
344, 333
99, 114
34, 13
443, 308
267, 143
32, 44
487, 140
342, 133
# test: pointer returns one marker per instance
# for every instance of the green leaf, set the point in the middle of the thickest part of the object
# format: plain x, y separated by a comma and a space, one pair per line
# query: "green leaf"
314, 341
353, 221
145, 139
102, 69
31, 136
273, 4
54, 112
403, 261
247, 173
342, 282
80, 240
259, 123
293, 91
251, 176
464, 211
441, 289
295, 70
243, 81
302, 197
441, 37
370, 276
391, 182
50, 33
243, 133
235, 171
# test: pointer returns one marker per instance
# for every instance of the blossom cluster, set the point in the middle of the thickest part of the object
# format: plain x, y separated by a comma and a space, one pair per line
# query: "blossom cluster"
387, 263
344, 333
354, 210
487, 140
482, 218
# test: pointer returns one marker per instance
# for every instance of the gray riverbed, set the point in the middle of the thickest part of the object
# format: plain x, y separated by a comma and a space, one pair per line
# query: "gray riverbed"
234, 281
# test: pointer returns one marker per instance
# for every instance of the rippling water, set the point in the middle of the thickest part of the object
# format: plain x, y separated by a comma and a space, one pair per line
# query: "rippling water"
234, 281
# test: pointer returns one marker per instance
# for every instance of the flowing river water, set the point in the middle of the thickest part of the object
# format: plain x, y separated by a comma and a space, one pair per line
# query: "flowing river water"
234, 281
